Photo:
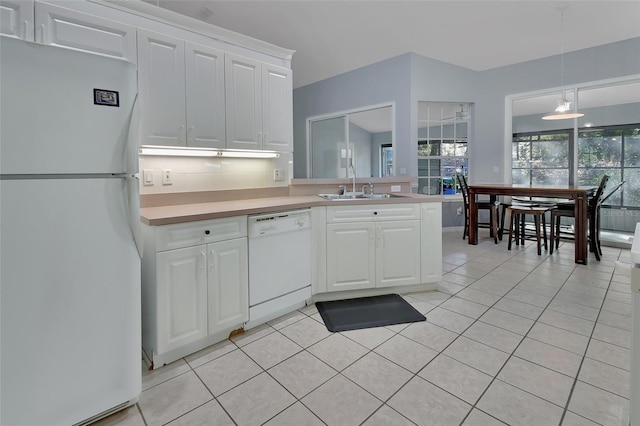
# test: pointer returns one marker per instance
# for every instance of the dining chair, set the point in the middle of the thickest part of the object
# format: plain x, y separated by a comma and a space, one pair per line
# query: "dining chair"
567, 209
517, 228
482, 205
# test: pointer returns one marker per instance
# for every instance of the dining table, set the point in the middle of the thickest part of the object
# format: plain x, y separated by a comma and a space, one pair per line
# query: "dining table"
579, 195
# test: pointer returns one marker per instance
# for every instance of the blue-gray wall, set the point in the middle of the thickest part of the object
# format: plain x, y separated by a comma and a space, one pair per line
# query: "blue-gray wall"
383, 82
409, 78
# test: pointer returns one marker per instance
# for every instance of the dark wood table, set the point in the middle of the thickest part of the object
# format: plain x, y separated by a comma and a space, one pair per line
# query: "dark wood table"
579, 194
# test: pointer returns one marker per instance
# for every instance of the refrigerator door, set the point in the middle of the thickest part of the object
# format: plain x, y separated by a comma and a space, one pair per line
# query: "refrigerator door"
50, 123
69, 300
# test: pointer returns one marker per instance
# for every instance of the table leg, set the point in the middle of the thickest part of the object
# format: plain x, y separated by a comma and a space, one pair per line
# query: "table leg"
580, 230
473, 219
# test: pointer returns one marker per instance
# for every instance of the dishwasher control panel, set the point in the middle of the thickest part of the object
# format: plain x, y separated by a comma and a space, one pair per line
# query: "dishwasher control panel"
267, 224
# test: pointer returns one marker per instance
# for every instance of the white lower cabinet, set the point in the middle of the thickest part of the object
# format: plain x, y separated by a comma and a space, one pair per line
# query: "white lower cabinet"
182, 297
350, 256
373, 246
194, 285
227, 284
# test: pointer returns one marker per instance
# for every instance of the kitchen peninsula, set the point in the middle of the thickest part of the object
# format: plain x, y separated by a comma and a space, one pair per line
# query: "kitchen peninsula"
359, 247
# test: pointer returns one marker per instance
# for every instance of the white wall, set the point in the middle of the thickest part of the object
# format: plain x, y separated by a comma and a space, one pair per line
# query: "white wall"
193, 174
409, 78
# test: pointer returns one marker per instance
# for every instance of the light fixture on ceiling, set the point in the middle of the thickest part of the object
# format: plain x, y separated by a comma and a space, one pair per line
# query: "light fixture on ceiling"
462, 114
204, 152
563, 110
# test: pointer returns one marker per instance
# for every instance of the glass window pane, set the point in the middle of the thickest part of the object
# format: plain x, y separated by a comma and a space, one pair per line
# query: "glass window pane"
631, 187
549, 176
632, 147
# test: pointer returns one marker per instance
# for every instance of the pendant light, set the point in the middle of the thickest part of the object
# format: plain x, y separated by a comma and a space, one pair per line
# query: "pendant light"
563, 110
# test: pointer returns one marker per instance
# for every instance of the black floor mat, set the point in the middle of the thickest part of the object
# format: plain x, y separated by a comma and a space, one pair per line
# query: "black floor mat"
365, 312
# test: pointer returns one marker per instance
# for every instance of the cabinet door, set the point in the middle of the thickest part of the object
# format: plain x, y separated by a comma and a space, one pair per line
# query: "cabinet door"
350, 256
63, 27
244, 102
228, 284
277, 108
205, 96
161, 87
397, 253
431, 242
16, 19
182, 297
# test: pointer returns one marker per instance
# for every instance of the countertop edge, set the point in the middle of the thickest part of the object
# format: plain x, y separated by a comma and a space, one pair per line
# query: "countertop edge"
166, 215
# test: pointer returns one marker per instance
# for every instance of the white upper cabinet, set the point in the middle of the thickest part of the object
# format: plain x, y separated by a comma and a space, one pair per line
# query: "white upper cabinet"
59, 26
277, 108
244, 102
259, 105
16, 19
181, 85
161, 87
205, 96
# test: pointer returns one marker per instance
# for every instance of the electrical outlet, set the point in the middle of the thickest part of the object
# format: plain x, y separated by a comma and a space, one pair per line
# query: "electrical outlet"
459, 211
167, 177
147, 177
278, 174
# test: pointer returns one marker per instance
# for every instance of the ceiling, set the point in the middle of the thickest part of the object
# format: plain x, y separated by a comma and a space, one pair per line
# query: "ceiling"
333, 37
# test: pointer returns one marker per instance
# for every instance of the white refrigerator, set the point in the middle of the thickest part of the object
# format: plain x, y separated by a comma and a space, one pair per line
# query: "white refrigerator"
70, 349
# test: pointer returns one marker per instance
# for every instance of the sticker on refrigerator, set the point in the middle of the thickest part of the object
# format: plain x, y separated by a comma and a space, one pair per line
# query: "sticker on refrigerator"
106, 97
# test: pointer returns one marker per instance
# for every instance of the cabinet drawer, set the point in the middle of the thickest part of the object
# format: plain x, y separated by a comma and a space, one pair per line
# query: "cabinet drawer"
376, 213
169, 237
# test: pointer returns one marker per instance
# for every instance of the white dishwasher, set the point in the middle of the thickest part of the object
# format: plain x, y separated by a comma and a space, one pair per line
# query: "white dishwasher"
279, 264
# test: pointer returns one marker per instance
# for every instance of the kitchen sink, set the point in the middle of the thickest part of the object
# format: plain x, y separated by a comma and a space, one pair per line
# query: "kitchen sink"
356, 196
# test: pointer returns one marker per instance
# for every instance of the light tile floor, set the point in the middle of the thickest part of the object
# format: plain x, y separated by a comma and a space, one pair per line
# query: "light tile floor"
510, 338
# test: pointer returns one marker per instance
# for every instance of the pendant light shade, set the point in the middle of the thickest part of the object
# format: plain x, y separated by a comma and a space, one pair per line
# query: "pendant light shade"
563, 111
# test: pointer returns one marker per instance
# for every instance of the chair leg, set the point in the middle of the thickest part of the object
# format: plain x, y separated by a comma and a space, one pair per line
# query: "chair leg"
544, 231
511, 221
552, 233
494, 223
502, 215
558, 219
536, 221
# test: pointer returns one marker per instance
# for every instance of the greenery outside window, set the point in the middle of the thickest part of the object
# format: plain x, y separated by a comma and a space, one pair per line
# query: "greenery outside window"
545, 158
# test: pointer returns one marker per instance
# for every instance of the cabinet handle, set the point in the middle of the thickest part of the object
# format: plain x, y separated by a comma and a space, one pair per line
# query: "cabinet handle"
265, 138
212, 257
181, 135
25, 24
40, 35
259, 138
189, 133
204, 259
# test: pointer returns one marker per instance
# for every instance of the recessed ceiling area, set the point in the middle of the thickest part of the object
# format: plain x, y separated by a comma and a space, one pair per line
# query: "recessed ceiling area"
333, 37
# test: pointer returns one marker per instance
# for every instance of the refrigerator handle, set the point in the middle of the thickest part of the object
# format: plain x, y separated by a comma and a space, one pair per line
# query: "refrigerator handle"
132, 201
133, 138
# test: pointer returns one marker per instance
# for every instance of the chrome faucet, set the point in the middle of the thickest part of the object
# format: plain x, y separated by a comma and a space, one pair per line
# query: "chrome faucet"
353, 171
370, 185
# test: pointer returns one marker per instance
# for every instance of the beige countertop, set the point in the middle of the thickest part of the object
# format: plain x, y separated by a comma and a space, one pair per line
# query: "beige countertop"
164, 215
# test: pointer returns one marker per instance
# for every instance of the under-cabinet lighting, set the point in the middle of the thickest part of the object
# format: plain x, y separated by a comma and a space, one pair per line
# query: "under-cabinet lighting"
204, 152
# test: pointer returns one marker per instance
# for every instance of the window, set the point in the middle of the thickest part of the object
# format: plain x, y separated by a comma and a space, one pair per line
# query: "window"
544, 158
541, 158
443, 129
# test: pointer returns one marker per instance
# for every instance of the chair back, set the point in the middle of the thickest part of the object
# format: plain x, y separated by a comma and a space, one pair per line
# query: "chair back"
611, 191
464, 188
597, 199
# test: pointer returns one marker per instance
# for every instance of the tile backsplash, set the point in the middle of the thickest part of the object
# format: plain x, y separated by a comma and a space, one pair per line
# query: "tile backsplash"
192, 174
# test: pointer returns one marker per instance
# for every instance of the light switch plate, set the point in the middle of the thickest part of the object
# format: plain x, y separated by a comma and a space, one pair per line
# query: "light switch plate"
278, 174
167, 177
147, 177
